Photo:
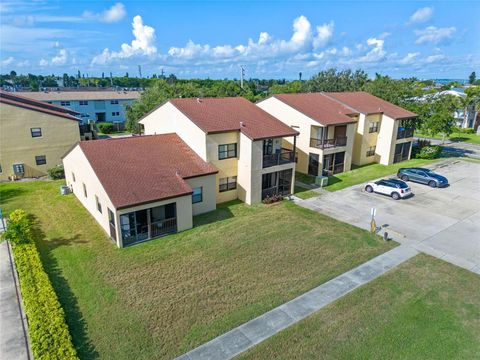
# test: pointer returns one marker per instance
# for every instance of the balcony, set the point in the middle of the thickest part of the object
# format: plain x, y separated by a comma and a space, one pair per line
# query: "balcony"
328, 143
404, 133
283, 157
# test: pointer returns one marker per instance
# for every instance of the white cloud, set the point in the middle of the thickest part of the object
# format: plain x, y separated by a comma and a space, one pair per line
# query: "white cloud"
143, 44
7, 61
434, 58
409, 58
421, 15
60, 59
114, 14
434, 35
324, 34
377, 53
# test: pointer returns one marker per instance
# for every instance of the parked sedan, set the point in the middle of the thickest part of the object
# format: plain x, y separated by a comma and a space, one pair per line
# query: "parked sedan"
424, 176
392, 187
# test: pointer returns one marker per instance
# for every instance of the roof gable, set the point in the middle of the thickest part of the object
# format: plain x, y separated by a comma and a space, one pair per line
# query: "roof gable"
142, 169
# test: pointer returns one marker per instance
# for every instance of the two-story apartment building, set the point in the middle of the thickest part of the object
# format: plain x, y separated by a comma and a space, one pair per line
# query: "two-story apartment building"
327, 130
99, 106
141, 187
241, 140
340, 129
33, 136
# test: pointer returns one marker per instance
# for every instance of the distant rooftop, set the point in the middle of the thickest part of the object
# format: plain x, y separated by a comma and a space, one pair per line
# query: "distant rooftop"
82, 95
20, 101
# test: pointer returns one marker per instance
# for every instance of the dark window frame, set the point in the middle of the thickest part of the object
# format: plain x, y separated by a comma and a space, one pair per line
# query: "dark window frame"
371, 150
36, 132
111, 217
85, 193
197, 198
373, 127
99, 205
229, 151
65, 103
113, 102
83, 102
40, 159
230, 184
20, 167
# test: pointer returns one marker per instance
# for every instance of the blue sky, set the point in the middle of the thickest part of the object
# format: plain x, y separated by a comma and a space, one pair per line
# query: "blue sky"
273, 39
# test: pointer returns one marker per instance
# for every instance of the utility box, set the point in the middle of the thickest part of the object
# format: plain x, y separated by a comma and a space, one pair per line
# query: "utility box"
64, 190
321, 180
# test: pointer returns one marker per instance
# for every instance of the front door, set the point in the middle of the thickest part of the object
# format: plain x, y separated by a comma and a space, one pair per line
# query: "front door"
313, 164
100, 117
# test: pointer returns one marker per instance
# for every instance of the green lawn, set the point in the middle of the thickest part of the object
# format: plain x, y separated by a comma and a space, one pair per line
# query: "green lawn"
457, 136
369, 172
304, 178
114, 134
424, 309
164, 297
303, 193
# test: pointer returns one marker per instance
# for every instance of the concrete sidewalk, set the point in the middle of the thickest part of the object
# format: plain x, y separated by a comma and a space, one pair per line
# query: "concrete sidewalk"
13, 339
245, 336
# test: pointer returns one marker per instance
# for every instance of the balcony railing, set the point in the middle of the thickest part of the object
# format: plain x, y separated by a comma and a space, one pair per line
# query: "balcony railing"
328, 143
336, 169
404, 133
283, 157
276, 190
163, 227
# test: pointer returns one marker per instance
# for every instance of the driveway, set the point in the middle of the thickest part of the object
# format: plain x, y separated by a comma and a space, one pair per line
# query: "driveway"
444, 222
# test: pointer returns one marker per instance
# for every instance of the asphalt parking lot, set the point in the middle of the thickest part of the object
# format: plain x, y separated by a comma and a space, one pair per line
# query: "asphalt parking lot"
441, 222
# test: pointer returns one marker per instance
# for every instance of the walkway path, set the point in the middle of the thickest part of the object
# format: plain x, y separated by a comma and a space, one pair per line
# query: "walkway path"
13, 339
245, 336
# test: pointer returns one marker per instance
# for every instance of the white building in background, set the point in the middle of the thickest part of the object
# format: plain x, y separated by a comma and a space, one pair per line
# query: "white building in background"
100, 106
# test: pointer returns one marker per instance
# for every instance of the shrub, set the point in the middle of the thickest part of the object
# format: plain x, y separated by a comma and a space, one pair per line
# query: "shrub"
106, 128
18, 229
429, 152
272, 199
468, 131
57, 172
48, 331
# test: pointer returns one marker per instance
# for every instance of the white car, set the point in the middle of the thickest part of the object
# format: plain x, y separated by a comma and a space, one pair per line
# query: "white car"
395, 188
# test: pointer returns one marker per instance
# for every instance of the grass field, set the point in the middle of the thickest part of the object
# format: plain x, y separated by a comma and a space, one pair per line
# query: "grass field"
460, 137
424, 309
369, 172
303, 193
164, 297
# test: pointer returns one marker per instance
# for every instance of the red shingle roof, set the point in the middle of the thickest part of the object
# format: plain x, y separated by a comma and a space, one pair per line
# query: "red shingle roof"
368, 104
216, 115
318, 107
142, 169
26, 103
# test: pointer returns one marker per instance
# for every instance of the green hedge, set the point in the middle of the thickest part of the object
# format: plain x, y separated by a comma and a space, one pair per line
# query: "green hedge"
429, 152
105, 127
48, 331
57, 172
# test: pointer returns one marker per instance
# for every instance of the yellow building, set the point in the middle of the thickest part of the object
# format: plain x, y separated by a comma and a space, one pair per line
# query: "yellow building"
341, 129
33, 136
242, 141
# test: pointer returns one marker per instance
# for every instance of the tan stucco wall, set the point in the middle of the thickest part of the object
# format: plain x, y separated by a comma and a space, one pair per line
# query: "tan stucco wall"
18, 146
168, 119
226, 167
208, 184
386, 140
76, 162
364, 139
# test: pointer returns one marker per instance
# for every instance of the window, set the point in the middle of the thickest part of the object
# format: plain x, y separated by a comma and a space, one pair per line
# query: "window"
73, 176
115, 113
83, 102
1, 168
65, 103
373, 127
227, 151
85, 115
36, 132
84, 190
197, 195
99, 206
18, 169
371, 151
268, 147
228, 183
111, 217
114, 102
40, 159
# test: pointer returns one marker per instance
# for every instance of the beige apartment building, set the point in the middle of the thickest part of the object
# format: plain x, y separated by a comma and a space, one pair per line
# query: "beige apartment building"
141, 187
241, 140
341, 129
33, 136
